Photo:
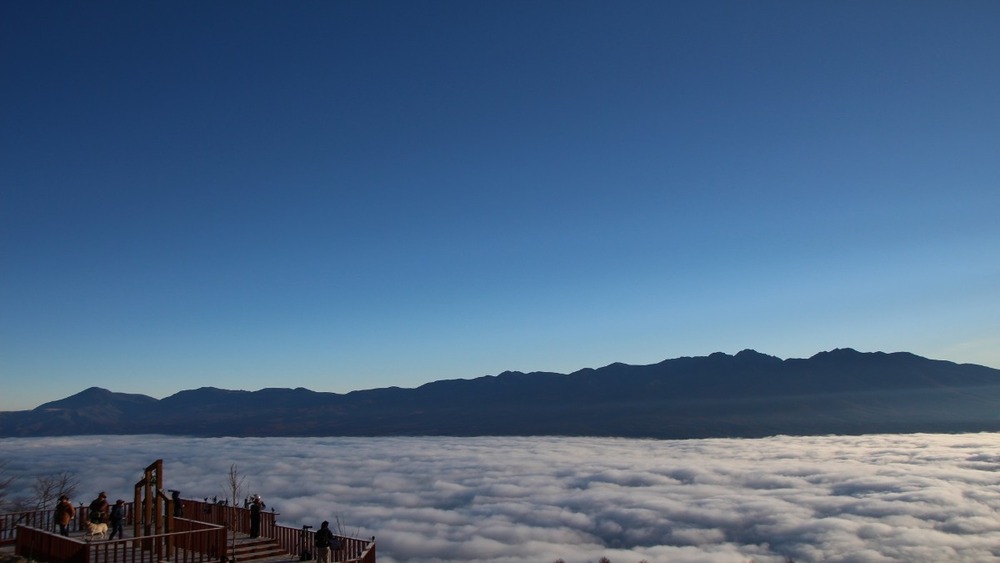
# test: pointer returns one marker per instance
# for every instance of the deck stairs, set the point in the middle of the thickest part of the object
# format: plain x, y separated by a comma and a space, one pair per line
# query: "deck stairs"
260, 549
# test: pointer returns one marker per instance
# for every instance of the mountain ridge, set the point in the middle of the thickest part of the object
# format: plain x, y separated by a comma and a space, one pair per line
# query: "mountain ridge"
748, 394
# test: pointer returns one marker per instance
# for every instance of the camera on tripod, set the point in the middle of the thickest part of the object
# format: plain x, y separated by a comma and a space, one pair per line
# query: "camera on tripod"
304, 552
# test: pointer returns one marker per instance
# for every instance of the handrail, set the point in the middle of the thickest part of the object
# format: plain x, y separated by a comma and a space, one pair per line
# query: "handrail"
294, 540
198, 518
37, 544
288, 538
44, 519
236, 518
201, 543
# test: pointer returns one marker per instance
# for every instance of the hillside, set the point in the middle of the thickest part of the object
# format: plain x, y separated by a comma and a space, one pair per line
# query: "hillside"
744, 395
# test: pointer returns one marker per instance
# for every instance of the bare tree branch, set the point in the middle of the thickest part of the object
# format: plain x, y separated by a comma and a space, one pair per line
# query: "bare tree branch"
47, 488
5, 483
233, 489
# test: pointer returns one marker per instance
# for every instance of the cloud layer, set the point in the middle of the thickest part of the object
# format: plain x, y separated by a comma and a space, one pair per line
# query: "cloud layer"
915, 498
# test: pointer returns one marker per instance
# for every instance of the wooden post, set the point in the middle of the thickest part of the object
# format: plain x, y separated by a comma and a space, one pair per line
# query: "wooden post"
137, 514
148, 508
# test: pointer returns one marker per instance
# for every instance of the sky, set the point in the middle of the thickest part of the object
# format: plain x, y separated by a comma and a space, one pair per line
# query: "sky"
859, 499
353, 195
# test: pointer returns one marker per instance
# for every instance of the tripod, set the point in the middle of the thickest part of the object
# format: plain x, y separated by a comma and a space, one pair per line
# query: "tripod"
305, 553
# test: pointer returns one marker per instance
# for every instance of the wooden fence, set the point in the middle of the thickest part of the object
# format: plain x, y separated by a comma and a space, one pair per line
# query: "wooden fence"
235, 518
44, 520
293, 540
38, 544
199, 543
200, 535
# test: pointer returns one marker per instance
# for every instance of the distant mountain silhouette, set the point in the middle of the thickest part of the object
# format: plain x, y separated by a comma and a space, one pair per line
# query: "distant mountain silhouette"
746, 395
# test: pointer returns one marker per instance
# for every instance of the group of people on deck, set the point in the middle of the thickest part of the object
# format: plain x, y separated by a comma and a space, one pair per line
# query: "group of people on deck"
100, 512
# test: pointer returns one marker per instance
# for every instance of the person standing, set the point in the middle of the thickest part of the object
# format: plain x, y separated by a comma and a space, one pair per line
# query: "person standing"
323, 539
255, 507
118, 520
99, 509
175, 498
64, 514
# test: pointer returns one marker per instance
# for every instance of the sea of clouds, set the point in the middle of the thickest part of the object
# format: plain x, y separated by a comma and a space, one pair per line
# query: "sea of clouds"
913, 498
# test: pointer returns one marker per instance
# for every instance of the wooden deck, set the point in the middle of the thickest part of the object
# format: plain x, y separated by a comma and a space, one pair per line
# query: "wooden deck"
239, 548
244, 550
159, 528
198, 541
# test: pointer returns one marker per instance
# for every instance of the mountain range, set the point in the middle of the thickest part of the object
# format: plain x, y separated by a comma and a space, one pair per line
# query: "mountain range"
748, 394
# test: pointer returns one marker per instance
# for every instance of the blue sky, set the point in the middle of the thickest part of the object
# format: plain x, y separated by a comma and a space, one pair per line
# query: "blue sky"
348, 195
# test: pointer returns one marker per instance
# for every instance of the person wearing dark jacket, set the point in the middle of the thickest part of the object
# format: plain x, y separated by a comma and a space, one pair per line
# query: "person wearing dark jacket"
117, 520
175, 498
255, 507
99, 508
324, 540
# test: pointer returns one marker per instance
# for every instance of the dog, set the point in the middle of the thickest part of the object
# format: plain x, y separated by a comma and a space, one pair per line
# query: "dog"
96, 530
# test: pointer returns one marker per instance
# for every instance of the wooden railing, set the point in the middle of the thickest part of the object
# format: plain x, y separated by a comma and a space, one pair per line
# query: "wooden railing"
290, 539
234, 518
45, 520
293, 540
9, 522
199, 543
199, 536
38, 544
194, 537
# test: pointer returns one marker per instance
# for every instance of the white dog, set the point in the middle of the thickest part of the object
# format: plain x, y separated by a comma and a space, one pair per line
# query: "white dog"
96, 530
